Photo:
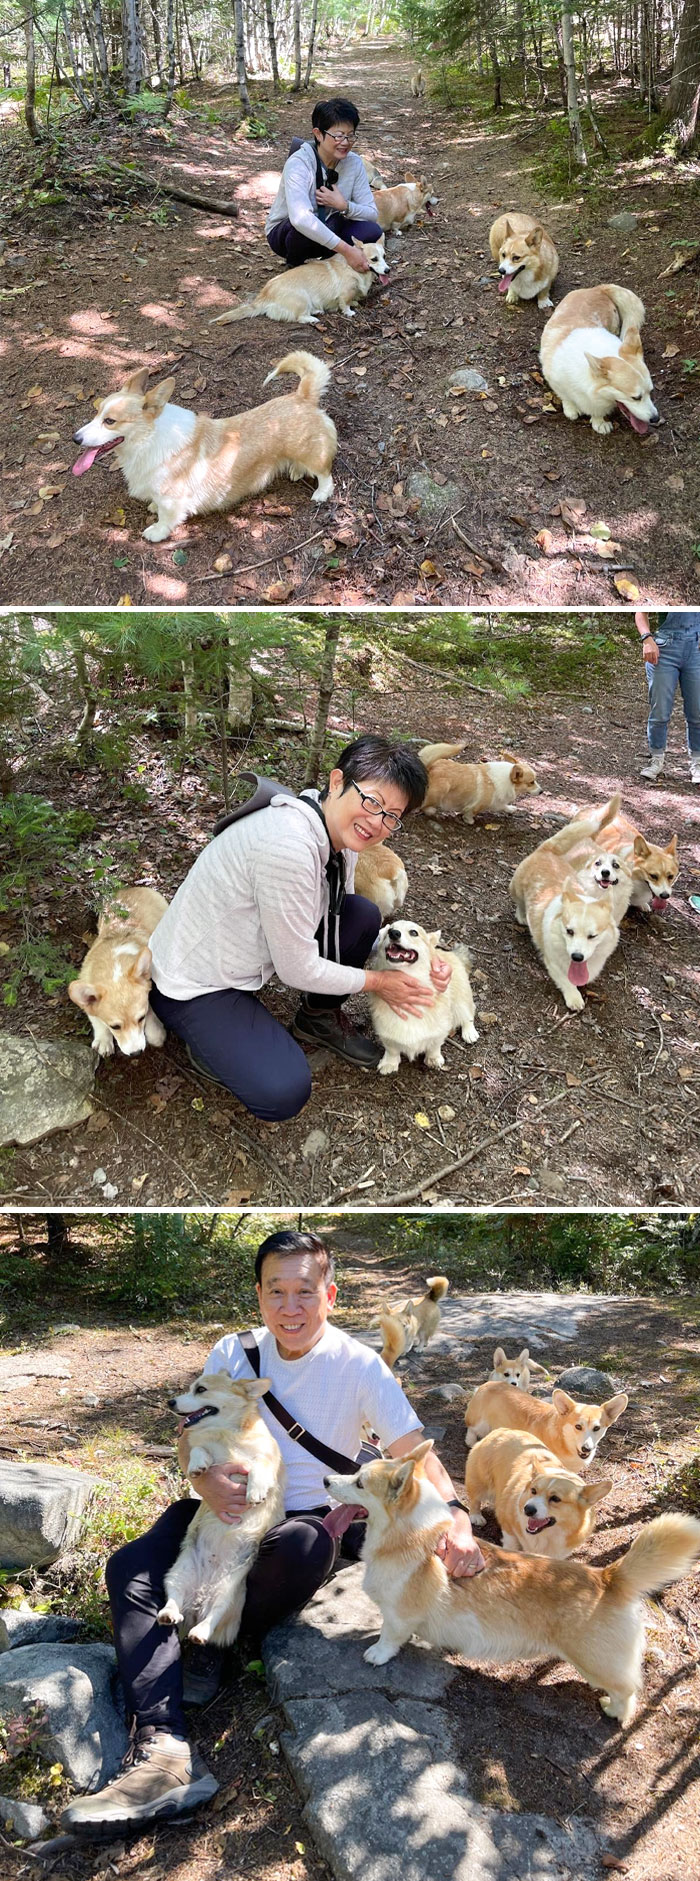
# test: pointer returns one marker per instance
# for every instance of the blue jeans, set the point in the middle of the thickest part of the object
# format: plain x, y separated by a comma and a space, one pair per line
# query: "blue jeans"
678, 665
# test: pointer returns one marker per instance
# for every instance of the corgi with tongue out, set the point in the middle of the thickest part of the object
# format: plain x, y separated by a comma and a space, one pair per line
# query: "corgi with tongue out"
574, 931
541, 1507
528, 262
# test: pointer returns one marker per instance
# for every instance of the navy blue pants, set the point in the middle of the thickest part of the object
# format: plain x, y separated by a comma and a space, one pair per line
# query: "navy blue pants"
286, 241
294, 1559
245, 1046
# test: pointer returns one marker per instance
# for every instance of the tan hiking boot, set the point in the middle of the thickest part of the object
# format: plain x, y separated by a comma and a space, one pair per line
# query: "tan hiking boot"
160, 1776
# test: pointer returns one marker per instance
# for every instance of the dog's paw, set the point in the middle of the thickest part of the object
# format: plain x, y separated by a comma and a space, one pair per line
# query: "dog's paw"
380, 1653
435, 1062
573, 999
477, 1521
602, 426
170, 1614
200, 1633
512, 299
547, 302
104, 1046
469, 1032
155, 1030
387, 1066
157, 532
570, 411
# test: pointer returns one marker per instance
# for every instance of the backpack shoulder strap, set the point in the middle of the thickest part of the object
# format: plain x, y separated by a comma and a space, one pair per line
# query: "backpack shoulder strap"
263, 789
333, 1459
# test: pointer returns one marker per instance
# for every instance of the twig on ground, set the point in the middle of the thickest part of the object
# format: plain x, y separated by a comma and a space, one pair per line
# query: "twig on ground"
660, 1047
249, 567
481, 553
494, 1136
159, 1147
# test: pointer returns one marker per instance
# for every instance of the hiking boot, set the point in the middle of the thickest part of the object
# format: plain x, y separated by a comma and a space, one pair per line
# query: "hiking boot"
334, 1030
654, 767
695, 770
160, 1776
203, 1071
203, 1671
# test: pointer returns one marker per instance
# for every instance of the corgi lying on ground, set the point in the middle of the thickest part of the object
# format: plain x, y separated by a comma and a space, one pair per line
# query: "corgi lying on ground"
407, 946
573, 1431
518, 1607
381, 876
527, 259
573, 929
468, 789
114, 982
591, 355
317, 287
540, 1507
182, 464
205, 1589
515, 1371
397, 208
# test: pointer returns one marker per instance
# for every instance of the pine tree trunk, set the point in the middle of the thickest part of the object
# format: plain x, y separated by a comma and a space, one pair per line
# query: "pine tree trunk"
571, 86
99, 33
170, 44
241, 76
312, 42
158, 44
272, 42
196, 70
325, 694
495, 68
684, 96
30, 81
297, 46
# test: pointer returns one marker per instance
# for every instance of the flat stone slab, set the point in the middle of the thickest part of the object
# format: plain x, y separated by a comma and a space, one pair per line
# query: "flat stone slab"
41, 1506
77, 1687
302, 1659
34, 1365
20, 1626
44, 1086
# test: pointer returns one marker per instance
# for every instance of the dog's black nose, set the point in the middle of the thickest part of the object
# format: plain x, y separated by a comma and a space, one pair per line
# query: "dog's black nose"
655, 420
530, 1508
605, 875
172, 1404
326, 1482
394, 934
577, 956
77, 438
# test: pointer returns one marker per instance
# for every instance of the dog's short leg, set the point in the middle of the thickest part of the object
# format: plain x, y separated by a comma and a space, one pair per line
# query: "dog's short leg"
390, 1062
621, 1705
570, 411
467, 816
434, 1059
153, 509
308, 320
170, 1614
324, 489
168, 520
474, 1432
155, 1030
224, 1615
545, 300
601, 425
510, 1542
387, 1646
198, 1460
512, 299
469, 1032
295, 472
102, 1040
349, 312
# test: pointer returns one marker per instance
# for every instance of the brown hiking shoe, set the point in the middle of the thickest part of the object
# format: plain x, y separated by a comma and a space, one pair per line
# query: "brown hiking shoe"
160, 1776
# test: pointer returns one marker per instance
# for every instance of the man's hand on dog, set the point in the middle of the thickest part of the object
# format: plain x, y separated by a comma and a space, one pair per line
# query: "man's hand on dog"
224, 1489
459, 1551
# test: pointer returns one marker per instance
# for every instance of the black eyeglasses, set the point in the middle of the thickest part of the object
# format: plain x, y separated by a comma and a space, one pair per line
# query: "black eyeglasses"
372, 808
341, 137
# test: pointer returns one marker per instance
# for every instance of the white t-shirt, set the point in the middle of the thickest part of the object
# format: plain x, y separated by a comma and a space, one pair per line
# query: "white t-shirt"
333, 1390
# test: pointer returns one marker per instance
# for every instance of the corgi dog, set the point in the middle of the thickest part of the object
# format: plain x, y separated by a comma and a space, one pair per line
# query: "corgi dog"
205, 1588
599, 872
317, 287
591, 355
540, 1507
519, 1606
381, 876
114, 982
426, 1309
418, 84
405, 945
611, 853
574, 931
573, 1431
399, 1330
467, 790
654, 869
528, 262
182, 464
515, 1371
397, 208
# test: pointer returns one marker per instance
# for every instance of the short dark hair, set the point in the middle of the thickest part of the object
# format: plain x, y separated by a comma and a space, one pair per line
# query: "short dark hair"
372, 756
334, 111
291, 1241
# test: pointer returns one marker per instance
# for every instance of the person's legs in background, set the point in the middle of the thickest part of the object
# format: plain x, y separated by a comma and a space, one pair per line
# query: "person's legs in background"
662, 681
690, 689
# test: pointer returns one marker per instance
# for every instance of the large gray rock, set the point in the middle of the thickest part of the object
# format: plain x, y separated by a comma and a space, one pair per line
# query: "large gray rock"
625, 221
41, 1506
34, 1365
26, 1819
587, 1383
44, 1086
20, 1626
77, 1687
469, 378
433, 497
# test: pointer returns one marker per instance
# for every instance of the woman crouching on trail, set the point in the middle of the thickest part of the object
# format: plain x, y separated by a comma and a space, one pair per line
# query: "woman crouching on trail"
324, 202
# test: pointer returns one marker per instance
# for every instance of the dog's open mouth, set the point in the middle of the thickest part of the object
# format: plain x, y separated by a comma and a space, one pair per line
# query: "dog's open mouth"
195, 1417
638, 424
535, 1523
578, 973
507, 280
405, 955
87, 458
659, 903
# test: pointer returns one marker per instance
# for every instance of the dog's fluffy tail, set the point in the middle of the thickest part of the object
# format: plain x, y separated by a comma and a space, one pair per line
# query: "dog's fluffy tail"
431, 753
629, 306
248, 310
584, 825
436, 1287
314, 374
666, 1549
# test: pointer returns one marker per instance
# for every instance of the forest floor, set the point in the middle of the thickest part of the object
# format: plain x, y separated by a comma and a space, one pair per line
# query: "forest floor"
532, 1738
92, 294
593, 1109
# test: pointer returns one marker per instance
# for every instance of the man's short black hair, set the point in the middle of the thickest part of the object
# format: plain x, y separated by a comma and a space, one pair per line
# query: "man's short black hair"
292, 1241
372, 756
334, 111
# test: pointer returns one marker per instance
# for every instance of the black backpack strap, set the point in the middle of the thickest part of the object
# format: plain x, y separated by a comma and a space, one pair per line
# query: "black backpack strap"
262, 789
332, 1458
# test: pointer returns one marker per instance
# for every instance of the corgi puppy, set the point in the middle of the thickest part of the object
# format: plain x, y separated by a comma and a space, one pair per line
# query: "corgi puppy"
405, 945
591, 355
574, 932
467, 790
515, 1371
317, 287
426, 1309
573, 1431
397, 208
183, 465
519, 1606
205, 1589
399, 1330
540, 1507
528, 262
381, 876
614, 855
114, 981
418, 84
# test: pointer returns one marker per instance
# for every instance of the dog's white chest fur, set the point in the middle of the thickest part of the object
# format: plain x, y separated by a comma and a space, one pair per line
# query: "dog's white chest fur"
142, 457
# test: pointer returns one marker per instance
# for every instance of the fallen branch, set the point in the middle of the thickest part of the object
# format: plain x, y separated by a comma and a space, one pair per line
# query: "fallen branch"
481, 553
439, 672
165, 189
494, 1136
248, 567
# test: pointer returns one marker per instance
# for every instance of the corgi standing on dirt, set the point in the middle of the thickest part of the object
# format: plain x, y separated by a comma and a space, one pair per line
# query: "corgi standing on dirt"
114, 982
426, 1309
573, 929
397, 208
399, 1332
467, 790
528, 262
418, 84
573, 1431
591, 355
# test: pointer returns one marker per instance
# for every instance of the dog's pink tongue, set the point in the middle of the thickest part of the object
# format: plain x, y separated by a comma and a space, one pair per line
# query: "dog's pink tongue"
504, 283
658, 904
536, 1522
337, 1520
578, 972
85, 461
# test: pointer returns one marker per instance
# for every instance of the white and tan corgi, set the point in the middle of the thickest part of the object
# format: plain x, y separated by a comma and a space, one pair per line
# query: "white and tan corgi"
408, 947
114, 982
519, 1606
528, 262
468, 790
654, 868
426, 1308
182, 464
381, 876
540, 1507
205, 1588
397, 208
317, 287
573, 1431
600, 872
417, 84
591, 355
399, 1330
516, 1371
574, 931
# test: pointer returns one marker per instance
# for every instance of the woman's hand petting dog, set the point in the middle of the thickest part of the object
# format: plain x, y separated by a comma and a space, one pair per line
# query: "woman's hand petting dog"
404, 994
441, 974
460, 1553
331, 198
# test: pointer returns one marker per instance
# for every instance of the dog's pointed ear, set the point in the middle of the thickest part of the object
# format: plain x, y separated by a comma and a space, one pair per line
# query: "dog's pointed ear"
499, 1357
159, 395
400, 1478
507, 231
600, 368
631, 347
594, 1492
139, 380
641, 847
254, 1387
535, 237
435, 937
517, 774
141, 969
84, 995
524, 1356
562, 1402
614, 1407
672, 847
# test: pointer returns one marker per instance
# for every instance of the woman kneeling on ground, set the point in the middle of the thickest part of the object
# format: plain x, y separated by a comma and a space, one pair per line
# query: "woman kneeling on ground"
273, 893
324, 202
